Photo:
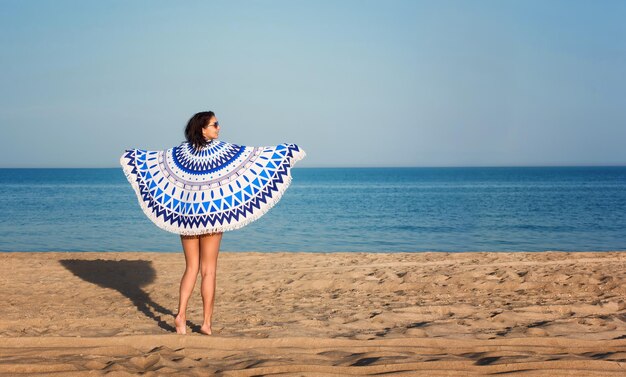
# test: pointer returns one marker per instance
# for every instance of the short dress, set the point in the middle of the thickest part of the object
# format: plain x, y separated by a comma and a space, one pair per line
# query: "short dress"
216, 188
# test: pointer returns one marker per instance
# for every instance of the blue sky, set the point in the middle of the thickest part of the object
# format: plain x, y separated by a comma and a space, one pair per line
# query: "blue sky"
354, 83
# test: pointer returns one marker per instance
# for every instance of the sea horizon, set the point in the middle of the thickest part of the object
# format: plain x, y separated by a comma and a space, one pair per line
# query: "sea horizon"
363, 167
334, 209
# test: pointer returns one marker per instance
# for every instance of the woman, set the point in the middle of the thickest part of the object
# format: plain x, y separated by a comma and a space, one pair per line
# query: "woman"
202, 188
200, 251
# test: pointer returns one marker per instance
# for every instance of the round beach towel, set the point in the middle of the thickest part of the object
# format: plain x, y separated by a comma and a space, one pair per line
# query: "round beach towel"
217, 188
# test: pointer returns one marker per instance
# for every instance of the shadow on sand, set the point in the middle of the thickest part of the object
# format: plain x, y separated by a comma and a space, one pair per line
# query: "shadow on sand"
127, 277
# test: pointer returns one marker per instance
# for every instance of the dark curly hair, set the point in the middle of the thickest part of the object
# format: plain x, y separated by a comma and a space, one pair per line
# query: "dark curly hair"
193, 131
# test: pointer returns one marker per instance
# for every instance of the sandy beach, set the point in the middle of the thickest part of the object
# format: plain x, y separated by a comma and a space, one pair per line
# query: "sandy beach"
317, 314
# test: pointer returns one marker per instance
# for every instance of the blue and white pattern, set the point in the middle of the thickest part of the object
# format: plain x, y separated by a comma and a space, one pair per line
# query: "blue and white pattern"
217, 188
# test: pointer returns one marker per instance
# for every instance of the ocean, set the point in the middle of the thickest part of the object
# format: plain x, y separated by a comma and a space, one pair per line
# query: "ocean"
338, 209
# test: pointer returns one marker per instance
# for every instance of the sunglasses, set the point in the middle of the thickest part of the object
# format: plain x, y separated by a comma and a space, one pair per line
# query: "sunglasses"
214, 124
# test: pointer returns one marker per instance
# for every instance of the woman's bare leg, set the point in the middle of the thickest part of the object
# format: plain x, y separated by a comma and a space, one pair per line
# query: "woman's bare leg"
209, 250
191, 247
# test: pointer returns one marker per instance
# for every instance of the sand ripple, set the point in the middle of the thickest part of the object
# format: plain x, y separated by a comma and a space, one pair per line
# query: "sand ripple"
288, 314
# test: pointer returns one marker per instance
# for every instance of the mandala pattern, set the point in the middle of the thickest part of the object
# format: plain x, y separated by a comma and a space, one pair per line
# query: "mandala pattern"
220, 187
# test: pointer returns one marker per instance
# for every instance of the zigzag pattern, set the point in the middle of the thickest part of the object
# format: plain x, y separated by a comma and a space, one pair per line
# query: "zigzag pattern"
181, 215
197, 163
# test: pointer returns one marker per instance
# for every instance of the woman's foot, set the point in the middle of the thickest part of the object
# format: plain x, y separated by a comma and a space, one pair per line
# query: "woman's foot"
206, 329
181, 324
